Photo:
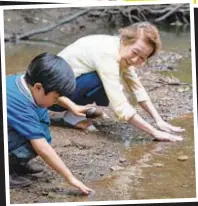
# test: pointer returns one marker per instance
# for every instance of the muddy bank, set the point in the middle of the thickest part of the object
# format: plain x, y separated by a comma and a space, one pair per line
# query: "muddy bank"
120, 162
116, 170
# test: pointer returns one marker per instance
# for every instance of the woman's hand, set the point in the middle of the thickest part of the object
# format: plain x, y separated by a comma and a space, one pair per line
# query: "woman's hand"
164, 126
78, 184
164, 136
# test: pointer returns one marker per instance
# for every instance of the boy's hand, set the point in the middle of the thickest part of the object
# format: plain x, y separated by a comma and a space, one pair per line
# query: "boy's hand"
77, 183
79, 110
74, 108
164, 126
164, 136
49, 155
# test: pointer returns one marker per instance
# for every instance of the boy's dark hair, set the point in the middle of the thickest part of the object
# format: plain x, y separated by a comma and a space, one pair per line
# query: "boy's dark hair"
53, 72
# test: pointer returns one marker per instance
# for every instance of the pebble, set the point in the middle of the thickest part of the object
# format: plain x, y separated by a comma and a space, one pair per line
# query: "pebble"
52, 195
157, 164
44, 193
182, 157
116, 168
47, 180
42, 201
44, 20
67, 143
92, 128
121, 160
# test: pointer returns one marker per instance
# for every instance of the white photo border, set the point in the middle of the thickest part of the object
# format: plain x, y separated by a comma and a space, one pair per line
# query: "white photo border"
194, 83
92, 4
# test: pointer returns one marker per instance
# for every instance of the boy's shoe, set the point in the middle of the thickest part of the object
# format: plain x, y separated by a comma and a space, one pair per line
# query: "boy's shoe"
28, 168
18, 181
68, 119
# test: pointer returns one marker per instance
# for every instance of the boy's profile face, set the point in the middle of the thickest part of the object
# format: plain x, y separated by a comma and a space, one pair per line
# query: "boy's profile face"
42, 99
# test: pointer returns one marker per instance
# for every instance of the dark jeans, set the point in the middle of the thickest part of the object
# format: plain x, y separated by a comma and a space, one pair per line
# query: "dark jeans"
89, 89
20, 148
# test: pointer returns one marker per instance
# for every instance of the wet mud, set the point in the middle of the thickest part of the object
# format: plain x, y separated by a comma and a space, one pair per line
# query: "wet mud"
144, 170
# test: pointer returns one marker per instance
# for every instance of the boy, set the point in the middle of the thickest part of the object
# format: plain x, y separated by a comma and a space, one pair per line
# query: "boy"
47, 79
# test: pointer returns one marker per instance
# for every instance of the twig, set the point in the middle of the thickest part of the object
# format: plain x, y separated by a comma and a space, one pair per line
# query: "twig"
172, 83
154, 88
168, 13
41, 42
51, 27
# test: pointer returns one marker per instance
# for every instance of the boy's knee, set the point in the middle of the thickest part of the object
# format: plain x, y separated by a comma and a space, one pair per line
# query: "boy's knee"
22, 154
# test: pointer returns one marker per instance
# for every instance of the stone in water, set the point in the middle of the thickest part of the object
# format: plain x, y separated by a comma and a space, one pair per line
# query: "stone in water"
182, 158
116, 168
157, 164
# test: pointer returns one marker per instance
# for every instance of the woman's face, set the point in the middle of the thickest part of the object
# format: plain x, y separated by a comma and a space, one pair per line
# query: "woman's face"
135, 54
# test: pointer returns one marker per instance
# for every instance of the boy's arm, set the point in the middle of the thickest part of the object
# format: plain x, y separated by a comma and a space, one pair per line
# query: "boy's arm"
48, 154
71, 106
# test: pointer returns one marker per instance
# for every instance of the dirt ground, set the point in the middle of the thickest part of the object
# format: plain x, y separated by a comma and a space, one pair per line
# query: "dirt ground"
91, 157
144, 168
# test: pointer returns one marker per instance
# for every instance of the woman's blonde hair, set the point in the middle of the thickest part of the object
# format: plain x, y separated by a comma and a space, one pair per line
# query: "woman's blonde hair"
142, 30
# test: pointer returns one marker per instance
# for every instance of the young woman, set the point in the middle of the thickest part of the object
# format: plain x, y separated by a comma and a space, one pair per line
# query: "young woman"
104, 67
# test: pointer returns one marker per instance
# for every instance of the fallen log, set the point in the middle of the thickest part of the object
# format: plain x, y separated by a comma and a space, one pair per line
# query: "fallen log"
29, 34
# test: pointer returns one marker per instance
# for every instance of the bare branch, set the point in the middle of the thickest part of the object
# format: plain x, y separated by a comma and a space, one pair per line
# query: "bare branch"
168, 13
51, 27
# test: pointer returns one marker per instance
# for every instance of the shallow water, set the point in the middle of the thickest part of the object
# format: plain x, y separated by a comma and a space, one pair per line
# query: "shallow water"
152, 171
19, 56
176, 39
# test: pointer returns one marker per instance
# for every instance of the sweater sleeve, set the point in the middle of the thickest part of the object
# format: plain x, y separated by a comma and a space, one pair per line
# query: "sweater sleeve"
108, 71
